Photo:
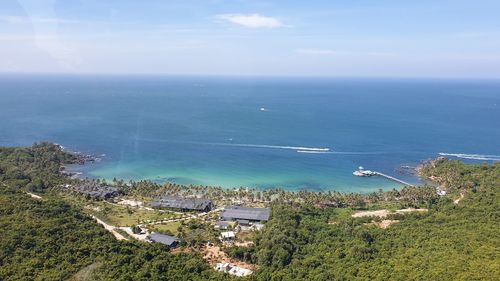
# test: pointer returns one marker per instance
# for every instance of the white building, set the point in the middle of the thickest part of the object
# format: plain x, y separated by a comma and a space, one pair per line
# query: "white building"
227, 235
232, 269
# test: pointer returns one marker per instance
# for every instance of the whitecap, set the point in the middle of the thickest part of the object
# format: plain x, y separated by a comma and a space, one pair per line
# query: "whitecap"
473, 156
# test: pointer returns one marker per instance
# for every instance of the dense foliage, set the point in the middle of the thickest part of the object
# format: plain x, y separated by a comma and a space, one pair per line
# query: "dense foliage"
50, 240
46, 239
453, 241
33, 168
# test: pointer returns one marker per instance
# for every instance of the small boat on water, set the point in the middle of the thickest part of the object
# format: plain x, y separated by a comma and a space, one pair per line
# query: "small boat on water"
361, 172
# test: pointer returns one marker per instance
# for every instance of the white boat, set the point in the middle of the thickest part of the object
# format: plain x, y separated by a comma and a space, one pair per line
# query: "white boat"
363, 173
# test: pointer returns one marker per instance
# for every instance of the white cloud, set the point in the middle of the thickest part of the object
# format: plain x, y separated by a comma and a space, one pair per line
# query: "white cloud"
251, 21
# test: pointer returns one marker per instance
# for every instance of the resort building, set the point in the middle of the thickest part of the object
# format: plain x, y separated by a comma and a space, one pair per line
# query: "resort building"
227, 235
222, 225
184, 204
245, 215
170, 241
97, 191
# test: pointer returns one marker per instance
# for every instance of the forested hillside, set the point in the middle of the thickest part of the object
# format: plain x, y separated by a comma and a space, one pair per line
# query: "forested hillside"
453, 241
33, 168
50, 240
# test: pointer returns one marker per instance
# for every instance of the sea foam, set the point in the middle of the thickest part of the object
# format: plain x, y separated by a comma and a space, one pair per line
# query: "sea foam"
472, 156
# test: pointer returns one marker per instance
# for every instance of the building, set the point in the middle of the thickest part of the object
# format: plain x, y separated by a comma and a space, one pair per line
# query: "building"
170, 241
232, 269
245, 214
222, 225
243, 222
227, 235
98, 192
185, 204
257, 226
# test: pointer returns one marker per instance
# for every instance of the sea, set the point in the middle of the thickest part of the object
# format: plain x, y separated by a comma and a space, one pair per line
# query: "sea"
258, 132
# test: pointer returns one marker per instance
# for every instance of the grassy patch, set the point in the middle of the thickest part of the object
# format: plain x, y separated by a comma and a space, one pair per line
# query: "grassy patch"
169, 228
126, 216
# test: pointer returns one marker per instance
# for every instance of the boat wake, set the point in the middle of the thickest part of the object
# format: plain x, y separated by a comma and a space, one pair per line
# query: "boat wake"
314, 152
473, 156
298, 148
339, 152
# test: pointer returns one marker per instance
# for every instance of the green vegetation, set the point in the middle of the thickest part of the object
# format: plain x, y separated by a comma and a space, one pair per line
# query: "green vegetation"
50, 240
315, 238
171, 228
124, 215
450, 242
46, 239
33, 168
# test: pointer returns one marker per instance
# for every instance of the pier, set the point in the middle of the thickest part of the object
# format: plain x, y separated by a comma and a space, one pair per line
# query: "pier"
361, 172
392, 178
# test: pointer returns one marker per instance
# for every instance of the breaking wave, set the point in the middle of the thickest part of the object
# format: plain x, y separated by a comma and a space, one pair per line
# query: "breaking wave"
473, 156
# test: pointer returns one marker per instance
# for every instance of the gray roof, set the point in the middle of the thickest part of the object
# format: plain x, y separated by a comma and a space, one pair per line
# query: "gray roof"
253, 214
163, 239
222, 223
182, 203
98, 191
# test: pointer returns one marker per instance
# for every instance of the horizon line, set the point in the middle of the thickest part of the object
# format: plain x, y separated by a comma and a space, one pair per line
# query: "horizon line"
104, 74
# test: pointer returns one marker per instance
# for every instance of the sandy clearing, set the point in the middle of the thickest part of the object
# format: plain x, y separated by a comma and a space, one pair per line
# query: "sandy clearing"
385, 213
243, 244
34, 196
379, 213
131, 203
456, 201
214, 255
382, 224
409, 210
140, 237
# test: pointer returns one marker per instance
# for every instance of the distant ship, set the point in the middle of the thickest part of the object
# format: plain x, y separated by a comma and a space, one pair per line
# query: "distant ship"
361, 172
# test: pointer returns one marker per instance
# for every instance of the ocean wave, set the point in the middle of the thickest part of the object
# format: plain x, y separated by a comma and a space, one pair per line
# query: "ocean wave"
473, 156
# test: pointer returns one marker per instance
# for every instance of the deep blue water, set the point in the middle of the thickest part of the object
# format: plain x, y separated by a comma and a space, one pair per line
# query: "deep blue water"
222, 130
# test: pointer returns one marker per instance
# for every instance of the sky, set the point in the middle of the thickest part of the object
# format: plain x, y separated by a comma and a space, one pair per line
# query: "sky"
362, 38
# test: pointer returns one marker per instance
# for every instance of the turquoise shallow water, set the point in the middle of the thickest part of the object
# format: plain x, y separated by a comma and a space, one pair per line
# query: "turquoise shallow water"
256, 132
